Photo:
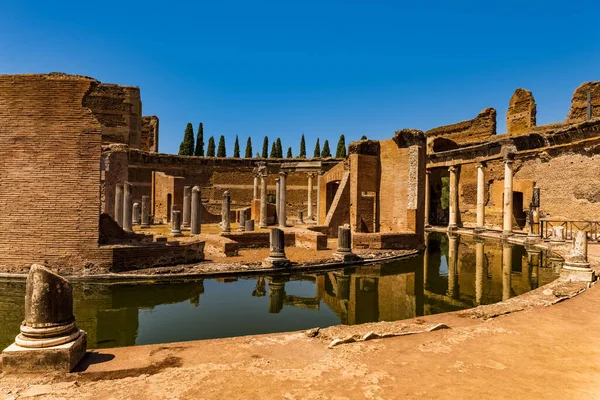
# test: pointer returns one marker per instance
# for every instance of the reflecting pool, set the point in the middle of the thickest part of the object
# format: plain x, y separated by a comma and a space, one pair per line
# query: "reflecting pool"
456, 272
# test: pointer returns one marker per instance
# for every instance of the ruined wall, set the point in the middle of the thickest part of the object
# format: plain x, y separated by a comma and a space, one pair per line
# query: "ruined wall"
578, 111
474, 130
49, 170
364, 193
119, 111
113, 172
149, 134
521, 113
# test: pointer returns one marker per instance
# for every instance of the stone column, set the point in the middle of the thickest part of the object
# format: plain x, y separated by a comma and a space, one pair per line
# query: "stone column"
226, 212
576, 267
176, 223
480, 227
136, 213
344, 250
276, 296
479, 270
318, 219
282, 199
195, 212
453, 289
507, 250
119, 204
453, 199
277, 256
310, 190
255, 188
277, 199
249, 226
127, 208
263, 201
507, 211
145, 212
427, 198
187, 207
242, 221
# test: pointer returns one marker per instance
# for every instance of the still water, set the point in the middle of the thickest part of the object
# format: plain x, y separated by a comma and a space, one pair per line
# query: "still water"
455, 273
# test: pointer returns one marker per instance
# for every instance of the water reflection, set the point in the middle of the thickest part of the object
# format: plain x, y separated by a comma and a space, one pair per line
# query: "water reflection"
454, 273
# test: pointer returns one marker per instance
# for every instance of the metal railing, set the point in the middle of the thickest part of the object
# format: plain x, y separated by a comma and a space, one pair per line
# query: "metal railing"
592, 228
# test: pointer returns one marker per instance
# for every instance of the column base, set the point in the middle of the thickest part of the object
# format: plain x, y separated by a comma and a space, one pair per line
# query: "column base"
452, 228
345, 256
479, 229
276, 262
577, 272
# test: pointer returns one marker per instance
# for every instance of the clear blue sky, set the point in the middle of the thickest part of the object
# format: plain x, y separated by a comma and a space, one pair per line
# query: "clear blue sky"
322, 68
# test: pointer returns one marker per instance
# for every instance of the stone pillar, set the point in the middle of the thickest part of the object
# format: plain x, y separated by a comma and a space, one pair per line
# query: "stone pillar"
145, 212
277, 256
49, 340
453, 241
576, 267
225, 212
507, 250
263, 201
136, 213
127, 208
196, 210
277, 199
176, 223
255, 188
242, 221
119, 204
453, 199
480, 272
282, 199
427, 198
249, 226
344, 250
507, 211
300, 217
480, 226
187, 207
318, 219
310, 191
276, 296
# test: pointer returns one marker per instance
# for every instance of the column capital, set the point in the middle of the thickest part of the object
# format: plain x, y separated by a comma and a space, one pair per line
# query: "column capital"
481, 164
310, 174
427, 171
283, 173
453, 168
508, 161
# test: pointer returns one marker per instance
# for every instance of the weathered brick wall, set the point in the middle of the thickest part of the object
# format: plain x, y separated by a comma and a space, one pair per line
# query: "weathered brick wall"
578, 111
364, 193
149, 134
521, 113
393, 197
49, 170
474, 130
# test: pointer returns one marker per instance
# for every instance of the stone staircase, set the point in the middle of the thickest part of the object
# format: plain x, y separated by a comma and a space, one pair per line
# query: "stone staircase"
337, 197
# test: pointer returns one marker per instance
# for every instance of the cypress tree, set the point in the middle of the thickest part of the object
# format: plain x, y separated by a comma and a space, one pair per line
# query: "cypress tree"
186, 148
364, 137
326, 152
265, 149
289, 153
273, 150
236, 148
221, 152
341, 148
199, 151
210, 150
317, 152
249, 148
279, 148
302, 148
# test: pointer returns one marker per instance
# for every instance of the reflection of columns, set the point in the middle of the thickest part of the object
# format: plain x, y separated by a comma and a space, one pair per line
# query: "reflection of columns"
480, 198
453, 289
453, 198
119, 204
342, 286
127, 207
276, 296
507, 212
479, 270
427, 197
426, 260
282, 199
255, 191
196, 210
263, 201
533, 267
277, 198
419, 291
319, 197
310, 190
507, 250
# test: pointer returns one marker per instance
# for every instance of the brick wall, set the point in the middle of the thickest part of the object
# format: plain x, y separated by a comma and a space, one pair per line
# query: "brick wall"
474, 130
149, 134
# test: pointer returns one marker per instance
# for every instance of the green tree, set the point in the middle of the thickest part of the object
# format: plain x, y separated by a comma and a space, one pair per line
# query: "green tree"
364, 137
199, 151
236, 148
210, 150
221, 152
445, 198
340, 152
273, 150
249, 148
265, 149
302, 148
279, 148
289, 153
326, 152
317, 152
186, 148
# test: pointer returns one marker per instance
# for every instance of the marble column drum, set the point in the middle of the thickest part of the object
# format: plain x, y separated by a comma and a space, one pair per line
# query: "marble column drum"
277, 256
187, 207
196, 210
176, 223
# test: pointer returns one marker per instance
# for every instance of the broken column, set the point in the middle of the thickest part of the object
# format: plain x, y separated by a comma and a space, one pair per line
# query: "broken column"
176, 223
427, 198
453, 199
310, 191
576, 266
507, 211
263, 198
249, 226
49, 340
282, 199
344, 250
187, 207
277, 256
145, 212
558, 234
480, 226
225, 212
195, 212
119, 204
242, 221
136, 213
127, 207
